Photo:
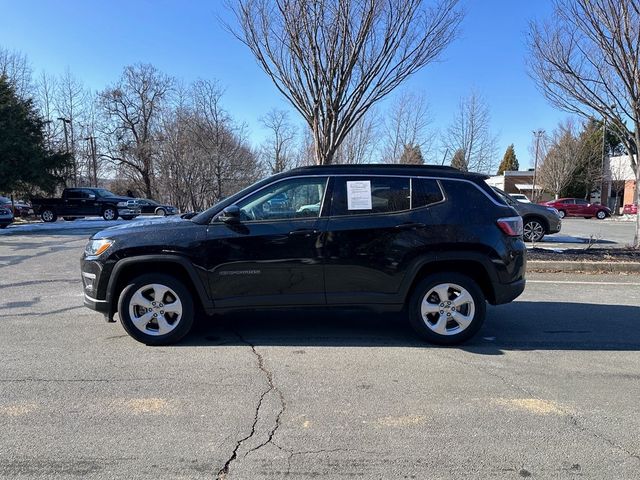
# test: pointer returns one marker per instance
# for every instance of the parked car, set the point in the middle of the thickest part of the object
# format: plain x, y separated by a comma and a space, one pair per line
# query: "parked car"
435, 242
577, 207
538, 220
85, 202
631, 209
19, 208
520, 197
151, 207
6, 216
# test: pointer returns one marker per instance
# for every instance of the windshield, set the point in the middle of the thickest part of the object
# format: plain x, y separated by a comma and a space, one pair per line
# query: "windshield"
505, 196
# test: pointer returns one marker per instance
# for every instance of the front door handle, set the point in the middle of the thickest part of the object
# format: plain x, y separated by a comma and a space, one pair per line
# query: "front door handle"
410, 226
305, 232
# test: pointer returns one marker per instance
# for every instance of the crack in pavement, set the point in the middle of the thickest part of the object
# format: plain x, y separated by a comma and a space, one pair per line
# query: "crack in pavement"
271, 387
573, 419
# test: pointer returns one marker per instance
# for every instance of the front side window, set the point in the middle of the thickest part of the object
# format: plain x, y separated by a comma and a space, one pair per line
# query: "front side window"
361, 195
289, 199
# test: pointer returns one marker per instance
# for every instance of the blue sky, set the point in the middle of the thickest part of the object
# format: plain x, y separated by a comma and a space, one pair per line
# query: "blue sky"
95, 39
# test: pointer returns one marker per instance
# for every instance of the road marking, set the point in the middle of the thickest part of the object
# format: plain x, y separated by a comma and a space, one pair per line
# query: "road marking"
402, 421
17, 410
577, 282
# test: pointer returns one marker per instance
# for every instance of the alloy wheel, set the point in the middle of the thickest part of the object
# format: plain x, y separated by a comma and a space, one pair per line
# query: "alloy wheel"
47, 216
447, 309
109, 214
533, 231
155, 309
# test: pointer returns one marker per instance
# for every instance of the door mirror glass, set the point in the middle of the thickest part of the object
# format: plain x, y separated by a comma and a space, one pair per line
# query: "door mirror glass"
231, 214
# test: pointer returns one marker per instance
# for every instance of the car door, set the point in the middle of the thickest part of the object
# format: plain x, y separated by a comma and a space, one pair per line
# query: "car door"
71, 204
272, 255
583, 208
372, 235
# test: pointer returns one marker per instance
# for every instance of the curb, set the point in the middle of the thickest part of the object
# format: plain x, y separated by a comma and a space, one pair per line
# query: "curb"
566, 266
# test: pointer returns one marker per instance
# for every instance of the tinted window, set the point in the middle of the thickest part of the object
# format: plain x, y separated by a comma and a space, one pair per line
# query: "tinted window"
77, 194
294, 198
581, 202
424, 192
358, 195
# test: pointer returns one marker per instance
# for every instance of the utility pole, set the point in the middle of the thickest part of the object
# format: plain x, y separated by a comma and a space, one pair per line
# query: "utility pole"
66, 142
603, 195
94, 160
538, 134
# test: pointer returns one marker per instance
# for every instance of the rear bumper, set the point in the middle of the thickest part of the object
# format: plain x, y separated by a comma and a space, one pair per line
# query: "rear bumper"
507, 292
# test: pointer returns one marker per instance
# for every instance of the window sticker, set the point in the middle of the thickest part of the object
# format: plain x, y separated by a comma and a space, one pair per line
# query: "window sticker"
359, 195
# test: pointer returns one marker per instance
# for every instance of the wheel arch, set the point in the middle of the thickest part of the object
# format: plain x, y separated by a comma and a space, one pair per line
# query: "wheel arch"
472, 268
178, 267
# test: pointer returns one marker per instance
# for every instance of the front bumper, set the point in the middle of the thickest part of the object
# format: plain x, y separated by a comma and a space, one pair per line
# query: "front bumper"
555, 225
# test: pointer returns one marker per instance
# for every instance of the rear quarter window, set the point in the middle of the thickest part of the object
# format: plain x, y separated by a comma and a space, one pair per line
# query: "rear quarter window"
465, 197
424, 192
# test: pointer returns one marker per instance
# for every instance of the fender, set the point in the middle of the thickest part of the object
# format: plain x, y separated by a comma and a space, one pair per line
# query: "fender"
437, 257
121, 265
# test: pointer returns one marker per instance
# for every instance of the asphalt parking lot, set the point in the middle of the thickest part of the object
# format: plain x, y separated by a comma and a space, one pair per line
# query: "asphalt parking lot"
549, 388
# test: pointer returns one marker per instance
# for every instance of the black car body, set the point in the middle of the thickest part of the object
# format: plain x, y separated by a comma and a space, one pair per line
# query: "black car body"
151, 207
381, 237
86, 202
6, 216
538, 220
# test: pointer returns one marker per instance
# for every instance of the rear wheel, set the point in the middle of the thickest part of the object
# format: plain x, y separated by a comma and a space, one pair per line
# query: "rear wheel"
161, 211
447, 308
110, 213
562, 213
48, 215
156, 309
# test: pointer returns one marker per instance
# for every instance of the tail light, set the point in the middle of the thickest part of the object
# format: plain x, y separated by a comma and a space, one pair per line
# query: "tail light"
511, 226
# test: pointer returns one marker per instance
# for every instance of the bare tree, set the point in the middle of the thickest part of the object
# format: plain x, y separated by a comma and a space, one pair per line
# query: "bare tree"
470, 132
406, 124
16, 67
561, 160
585, 60
360, 143
46, 87
334, 59
131, 110
277, 151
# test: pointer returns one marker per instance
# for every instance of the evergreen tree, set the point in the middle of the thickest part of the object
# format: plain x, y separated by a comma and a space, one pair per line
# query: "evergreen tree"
509, 161
458, 161
26, 164
412, 155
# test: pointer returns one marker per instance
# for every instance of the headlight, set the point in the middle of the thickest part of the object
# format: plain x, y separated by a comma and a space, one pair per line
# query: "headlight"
97, 247
122, 204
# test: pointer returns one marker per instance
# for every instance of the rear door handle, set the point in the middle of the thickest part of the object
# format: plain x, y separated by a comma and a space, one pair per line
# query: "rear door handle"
410, 226
306, 232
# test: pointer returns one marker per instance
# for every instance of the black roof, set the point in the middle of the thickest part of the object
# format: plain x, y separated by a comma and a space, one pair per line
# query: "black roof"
388, 169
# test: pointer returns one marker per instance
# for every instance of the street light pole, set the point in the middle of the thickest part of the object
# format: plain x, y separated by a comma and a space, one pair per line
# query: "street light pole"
94, 161
538, 134
66, 142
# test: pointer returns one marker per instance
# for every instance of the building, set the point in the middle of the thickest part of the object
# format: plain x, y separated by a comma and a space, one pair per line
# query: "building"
619, 181
519, 182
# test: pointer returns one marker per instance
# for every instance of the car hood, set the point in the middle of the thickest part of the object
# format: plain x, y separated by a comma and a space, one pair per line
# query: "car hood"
154, 226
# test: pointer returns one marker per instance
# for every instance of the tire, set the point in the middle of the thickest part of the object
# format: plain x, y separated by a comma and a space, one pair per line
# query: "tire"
161, 211
47, 215
562, 213
534, 230
110, 213
430, 325
601, 215
140, 293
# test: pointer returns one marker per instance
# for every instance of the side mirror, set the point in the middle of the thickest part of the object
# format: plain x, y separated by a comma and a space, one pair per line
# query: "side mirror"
231, 214
92, 196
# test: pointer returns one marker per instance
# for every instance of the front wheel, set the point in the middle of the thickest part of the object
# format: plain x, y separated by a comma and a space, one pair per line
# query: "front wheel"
601, 215
156, 309
48, 215
161, 212
110, 213
447, 308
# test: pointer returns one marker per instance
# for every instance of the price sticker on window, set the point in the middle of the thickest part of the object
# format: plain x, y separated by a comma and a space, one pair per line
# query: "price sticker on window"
359, 195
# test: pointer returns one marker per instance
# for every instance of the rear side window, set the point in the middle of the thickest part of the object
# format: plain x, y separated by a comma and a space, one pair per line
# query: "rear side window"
425, 191
360, 195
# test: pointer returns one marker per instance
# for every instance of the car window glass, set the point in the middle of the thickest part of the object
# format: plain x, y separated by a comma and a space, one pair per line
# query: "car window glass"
581, 202
74, 194
359, 195
425, 192
289, 199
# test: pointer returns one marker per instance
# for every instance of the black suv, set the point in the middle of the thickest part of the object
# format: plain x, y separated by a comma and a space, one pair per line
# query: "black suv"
435, 241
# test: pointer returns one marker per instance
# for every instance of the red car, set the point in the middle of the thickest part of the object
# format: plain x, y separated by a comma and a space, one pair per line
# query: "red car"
577, 207
630, 209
